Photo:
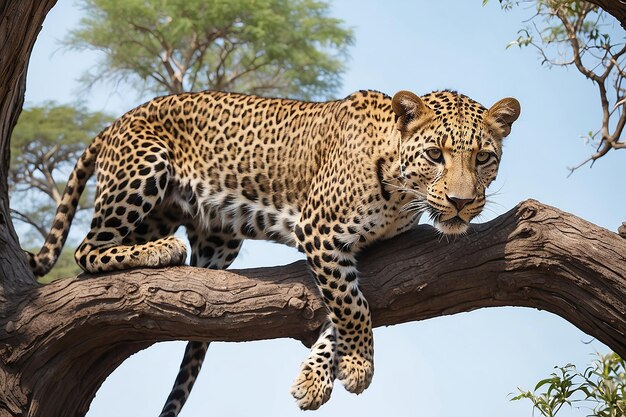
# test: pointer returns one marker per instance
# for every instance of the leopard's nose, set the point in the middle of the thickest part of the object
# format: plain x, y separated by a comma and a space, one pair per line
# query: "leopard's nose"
459, 203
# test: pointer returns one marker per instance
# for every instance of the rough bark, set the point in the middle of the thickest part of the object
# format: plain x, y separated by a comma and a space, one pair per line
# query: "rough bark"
78, 330
20, 22
615, 7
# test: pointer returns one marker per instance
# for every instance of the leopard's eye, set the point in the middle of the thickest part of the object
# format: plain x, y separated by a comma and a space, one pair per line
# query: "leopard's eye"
482, 157
435, 154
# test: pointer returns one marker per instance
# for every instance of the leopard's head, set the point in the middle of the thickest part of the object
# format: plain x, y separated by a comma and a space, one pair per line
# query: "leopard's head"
450, 149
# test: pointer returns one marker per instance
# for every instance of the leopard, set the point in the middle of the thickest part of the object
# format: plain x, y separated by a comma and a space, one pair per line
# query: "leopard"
327, 177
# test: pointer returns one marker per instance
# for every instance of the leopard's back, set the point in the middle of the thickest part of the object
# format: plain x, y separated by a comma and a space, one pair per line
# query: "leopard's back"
233, 162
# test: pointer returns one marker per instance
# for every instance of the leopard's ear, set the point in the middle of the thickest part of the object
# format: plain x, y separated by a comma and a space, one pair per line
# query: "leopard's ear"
503, 114
409, 109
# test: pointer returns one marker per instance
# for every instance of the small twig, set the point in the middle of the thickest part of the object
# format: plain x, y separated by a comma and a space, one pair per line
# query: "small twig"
17, 215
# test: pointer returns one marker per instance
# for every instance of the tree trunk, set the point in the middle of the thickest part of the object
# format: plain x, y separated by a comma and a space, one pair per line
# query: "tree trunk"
20, 22
79, 330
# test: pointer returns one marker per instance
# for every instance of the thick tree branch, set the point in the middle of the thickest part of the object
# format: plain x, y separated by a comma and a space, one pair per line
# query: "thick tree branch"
617, 8
533, 256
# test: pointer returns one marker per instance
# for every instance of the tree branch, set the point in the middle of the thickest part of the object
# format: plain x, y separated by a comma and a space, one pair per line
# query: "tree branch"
572, 31
50, 186
534, 256
574, 23
220, 70
17, 215
158, 77
246, 69
617, 8
176, 78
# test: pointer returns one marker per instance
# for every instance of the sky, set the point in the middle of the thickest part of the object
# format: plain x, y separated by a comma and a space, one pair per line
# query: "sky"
463, 365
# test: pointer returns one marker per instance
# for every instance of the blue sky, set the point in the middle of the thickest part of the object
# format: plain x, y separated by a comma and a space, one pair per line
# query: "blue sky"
462, 365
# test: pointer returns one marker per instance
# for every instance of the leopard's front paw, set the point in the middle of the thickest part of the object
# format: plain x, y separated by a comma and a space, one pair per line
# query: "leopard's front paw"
177, 251
313, 386
168, 251
355, 372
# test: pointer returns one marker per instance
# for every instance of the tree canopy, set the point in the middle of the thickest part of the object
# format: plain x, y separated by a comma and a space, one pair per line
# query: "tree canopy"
267, 47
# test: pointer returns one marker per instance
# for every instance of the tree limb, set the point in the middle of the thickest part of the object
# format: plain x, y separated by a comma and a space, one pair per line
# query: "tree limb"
42, 185
49, 186
534, 256
572, 32
617, 8
573, 25
17, 215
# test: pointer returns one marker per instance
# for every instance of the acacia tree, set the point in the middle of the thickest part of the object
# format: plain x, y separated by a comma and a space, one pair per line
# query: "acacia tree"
577, 33
78, 330
291, 48
45, 143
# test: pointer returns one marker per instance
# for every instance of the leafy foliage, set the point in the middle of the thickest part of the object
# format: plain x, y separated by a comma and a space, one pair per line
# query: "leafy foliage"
601, 389
580, 34
268, 47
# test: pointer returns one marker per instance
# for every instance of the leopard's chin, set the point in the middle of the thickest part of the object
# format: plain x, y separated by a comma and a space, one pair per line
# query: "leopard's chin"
453, 226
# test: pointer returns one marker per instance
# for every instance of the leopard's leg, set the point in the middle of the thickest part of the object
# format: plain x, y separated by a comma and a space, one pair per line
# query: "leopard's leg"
213, 250
216, 250
122, 208
314, 383
333, 265
161, 222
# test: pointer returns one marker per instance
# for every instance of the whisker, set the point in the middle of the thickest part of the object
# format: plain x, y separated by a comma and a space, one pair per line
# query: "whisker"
398, 177
496, 192
417, 206
494, 212
493, 194
405, 189
494, 203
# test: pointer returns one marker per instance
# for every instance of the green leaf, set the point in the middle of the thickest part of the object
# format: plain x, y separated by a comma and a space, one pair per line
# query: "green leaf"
601, 388
544, 382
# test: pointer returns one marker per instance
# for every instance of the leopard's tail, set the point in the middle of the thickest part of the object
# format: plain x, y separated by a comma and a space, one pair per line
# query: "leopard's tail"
187, 374
43, 262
